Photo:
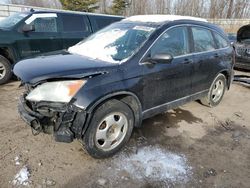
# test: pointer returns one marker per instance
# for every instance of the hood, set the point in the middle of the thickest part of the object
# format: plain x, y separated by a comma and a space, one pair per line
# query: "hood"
57, 66
243, 33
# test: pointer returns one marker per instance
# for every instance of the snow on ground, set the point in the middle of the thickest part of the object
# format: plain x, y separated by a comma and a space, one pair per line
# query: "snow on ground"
155, 164
22, 177
17, 162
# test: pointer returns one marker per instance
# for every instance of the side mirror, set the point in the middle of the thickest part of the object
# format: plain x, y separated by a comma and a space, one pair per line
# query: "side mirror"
27, 28
162, 58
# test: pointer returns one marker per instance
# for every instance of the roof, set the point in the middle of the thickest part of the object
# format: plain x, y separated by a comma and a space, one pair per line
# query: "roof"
70, 12
157, 18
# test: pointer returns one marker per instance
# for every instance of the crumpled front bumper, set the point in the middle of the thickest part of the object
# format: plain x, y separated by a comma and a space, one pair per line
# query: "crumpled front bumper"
66, 124
30, 117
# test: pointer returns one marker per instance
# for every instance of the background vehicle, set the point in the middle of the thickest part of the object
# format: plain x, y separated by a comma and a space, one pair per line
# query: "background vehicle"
27, 34
242, 48
145, 65
232, 37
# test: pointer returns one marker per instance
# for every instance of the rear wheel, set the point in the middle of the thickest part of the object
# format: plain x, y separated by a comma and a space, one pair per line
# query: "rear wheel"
216, 92
5, 70
110, 128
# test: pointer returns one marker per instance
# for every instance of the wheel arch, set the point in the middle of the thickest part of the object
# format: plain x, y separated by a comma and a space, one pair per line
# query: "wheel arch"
128, 98
7, 53
227, 76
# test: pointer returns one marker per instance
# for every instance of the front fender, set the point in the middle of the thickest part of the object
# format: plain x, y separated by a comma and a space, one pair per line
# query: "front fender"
88, 99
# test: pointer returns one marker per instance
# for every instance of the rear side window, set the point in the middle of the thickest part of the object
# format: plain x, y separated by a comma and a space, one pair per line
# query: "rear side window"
203, 39
74, 23
173, 42
220, 41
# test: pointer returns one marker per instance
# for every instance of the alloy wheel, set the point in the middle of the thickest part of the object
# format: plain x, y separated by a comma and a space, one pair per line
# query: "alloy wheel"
111, 131
2, 71
217, 91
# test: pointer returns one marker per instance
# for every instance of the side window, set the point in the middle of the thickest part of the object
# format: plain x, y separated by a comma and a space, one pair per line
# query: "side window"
43, 22
102, 22
173, 42
220, 41
75, 23
203, 39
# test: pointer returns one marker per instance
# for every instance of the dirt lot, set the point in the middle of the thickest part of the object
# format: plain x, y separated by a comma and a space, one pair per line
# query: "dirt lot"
192, 146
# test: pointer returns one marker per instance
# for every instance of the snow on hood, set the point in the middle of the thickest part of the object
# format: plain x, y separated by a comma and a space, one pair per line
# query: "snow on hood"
161, 18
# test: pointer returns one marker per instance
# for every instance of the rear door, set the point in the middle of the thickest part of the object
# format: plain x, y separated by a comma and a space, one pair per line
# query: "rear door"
45, 38
206, 58
75, 27
167, 82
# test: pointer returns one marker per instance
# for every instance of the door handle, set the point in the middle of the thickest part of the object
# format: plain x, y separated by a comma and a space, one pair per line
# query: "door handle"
188, 61
216, 55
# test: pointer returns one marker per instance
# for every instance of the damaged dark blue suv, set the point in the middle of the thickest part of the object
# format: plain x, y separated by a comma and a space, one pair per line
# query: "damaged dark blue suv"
103, 87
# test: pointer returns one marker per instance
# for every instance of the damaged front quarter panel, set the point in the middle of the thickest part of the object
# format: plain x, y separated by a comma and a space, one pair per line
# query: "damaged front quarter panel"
64, 120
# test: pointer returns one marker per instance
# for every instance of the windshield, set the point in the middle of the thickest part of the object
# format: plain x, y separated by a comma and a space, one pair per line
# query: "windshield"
115, 43
12, 20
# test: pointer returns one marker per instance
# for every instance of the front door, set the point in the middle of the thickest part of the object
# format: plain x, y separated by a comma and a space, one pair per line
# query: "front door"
169, 81
45, 38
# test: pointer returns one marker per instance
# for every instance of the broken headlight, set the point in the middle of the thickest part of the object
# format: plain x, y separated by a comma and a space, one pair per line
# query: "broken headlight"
60, 91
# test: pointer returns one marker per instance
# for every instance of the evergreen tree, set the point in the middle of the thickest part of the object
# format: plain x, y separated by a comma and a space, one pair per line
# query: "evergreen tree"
118, 6
80, 5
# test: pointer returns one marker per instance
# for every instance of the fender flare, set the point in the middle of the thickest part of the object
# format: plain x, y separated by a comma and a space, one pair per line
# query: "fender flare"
90, 110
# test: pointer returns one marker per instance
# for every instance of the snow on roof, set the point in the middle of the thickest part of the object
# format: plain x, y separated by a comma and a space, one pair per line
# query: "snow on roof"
161, 18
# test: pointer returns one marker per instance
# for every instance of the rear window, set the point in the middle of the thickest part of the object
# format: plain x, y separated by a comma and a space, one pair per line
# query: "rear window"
75, 23
203, 39
220, 41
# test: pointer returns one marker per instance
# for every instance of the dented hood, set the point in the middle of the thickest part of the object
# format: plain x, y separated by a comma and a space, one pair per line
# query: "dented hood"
59, 65
243, 33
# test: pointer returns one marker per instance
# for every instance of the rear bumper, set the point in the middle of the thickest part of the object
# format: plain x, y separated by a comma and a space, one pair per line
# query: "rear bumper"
65, 124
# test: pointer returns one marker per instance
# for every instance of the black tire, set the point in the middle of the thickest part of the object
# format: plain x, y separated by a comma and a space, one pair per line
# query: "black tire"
209, 100
103, 111
8, 72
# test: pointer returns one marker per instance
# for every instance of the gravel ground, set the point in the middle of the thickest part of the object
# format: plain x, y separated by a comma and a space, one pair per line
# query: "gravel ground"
191, 146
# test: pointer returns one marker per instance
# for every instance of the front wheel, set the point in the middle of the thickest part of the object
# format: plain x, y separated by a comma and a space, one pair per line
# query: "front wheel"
216, 91
110, 128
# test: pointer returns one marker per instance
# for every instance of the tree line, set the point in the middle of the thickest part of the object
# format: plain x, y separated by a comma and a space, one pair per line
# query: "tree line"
200, 8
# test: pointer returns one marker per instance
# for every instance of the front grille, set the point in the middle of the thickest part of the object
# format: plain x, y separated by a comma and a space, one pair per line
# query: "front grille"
243, 51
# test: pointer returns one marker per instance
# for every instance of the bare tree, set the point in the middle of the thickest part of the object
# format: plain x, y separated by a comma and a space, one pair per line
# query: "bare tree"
200, 8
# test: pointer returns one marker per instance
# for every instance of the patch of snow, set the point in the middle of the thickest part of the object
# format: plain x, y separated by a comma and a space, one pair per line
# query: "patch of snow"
100, 47
157, 18
155, 164
22, 177
17, 162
